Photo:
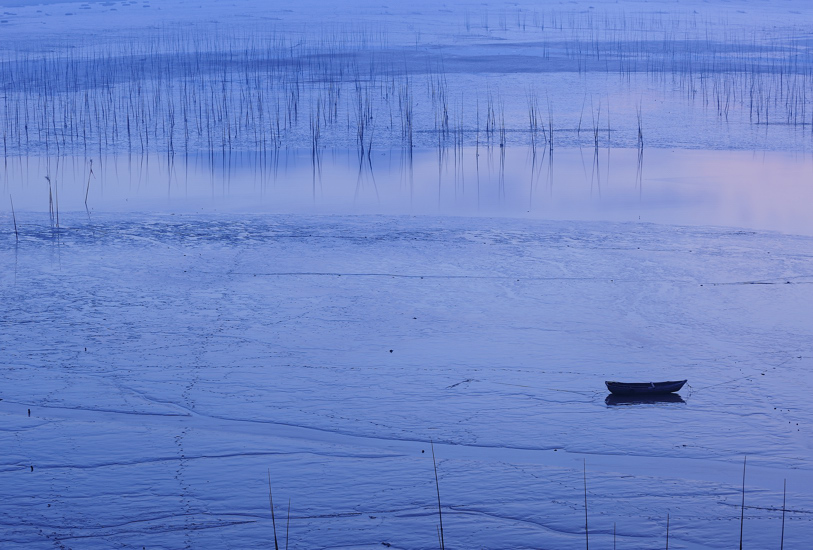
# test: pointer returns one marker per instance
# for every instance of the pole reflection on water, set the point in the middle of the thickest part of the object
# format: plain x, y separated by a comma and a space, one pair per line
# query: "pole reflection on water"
765, 191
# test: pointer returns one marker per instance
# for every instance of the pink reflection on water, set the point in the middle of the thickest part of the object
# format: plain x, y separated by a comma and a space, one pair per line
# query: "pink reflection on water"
765, 190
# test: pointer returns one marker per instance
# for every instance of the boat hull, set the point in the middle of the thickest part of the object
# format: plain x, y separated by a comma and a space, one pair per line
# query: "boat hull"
644, 388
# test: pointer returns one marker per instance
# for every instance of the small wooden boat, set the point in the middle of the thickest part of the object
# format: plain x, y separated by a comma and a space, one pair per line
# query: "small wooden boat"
644, 388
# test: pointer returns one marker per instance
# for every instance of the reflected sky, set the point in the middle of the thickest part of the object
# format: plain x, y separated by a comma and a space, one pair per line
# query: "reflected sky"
760, 191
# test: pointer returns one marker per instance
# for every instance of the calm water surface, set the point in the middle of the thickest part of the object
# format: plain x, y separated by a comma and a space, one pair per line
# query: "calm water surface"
753, 190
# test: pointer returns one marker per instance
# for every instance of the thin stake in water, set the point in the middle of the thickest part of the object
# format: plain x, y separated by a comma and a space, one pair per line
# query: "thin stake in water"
271, 504
437, 488
87, 189
784, 495
50, 201
742, 508
586, 532
14, 217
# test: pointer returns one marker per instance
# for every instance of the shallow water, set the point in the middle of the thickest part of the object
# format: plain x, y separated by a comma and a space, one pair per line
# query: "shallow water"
225, 299
169, 362
750, 190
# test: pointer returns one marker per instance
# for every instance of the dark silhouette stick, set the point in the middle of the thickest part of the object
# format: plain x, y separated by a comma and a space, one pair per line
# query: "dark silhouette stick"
271, 504
14, 217
742, 508
586, 533
87, 189
784, 495
437, 487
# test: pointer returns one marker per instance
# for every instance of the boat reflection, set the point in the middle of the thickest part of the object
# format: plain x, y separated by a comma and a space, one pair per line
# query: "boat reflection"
613, 400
